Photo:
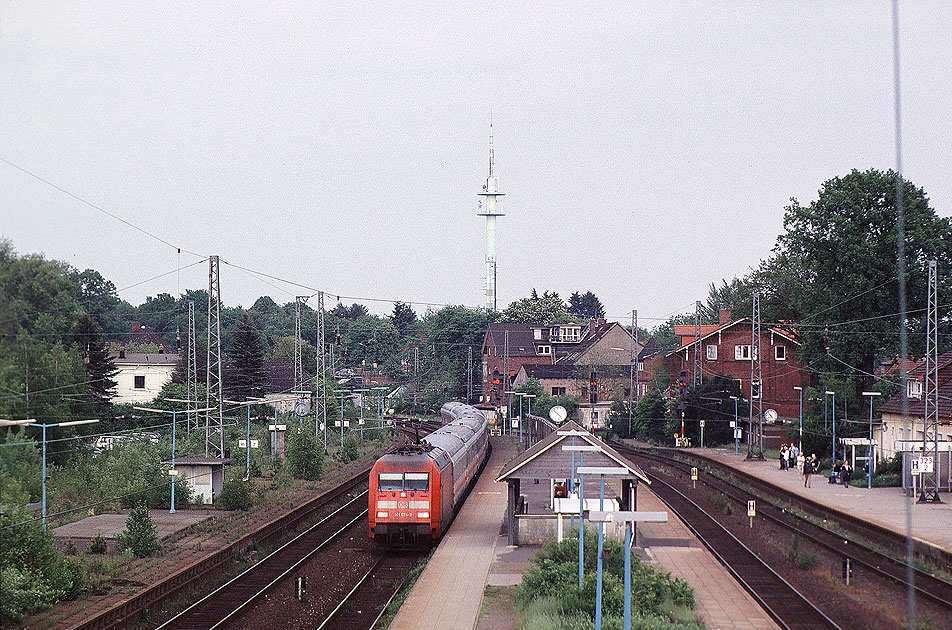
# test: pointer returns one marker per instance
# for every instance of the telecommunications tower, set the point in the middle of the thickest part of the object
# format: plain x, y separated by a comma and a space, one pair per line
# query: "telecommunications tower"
490, 192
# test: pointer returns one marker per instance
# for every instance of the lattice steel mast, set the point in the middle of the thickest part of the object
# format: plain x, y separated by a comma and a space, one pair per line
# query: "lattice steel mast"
191, 371
469, 374
214, 431
929, 489
755, 444
320, 386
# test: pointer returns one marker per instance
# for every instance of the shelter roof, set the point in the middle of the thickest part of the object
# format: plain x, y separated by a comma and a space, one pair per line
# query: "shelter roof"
141, 358
522, 465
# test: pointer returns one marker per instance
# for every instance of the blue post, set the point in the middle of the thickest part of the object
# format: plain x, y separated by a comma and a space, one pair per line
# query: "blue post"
361, 422
274, 440
627, 620
598, 558
572, 482
735, 426
44, 476
800, 441
528, 415
833, 424
342, 422
174, 477
248, 445
521, 398
869, 448
581, 523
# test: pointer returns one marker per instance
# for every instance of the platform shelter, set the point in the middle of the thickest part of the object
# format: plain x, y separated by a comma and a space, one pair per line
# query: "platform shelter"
543, 474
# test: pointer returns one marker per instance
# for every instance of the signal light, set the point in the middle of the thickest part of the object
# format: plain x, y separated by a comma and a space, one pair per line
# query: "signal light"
593, 388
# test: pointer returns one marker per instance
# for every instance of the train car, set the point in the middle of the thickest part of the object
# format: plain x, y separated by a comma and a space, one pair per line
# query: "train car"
416, 489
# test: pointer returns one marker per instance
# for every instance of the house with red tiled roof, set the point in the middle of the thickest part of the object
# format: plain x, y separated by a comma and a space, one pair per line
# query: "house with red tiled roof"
897, 426
725, 348
561, 355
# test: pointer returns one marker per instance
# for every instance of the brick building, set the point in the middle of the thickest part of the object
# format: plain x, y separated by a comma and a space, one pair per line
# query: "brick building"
726, 349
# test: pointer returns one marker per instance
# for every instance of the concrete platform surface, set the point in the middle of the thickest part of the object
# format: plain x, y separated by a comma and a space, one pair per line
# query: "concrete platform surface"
449, 592
109, 525
721, 602
886, 507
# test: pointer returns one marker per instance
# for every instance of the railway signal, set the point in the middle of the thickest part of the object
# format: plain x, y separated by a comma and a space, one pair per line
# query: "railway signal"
593, 388
751, 511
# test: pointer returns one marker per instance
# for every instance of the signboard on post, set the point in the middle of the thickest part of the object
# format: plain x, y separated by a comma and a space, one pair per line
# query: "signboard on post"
694, 476
751, 511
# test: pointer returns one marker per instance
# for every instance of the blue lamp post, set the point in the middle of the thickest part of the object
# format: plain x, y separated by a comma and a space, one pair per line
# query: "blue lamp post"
32, 423
734, 398
869, 447
601, 471
174, 413
581, 449
833, 424
247, 404
800, 441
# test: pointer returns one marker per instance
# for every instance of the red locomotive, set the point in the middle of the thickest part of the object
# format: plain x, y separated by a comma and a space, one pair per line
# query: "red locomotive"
416, 489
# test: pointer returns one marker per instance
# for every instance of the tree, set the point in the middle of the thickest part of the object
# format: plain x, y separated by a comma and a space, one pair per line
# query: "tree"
650, 417
711, 401
304, 457
140, 535
535, 310
247, 357
404, 319
837, 259
586, 305
99, 366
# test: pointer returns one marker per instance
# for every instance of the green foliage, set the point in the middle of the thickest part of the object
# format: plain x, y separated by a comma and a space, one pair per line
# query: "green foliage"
140, 534
711, 401
98, 545
650, 417
586, 306
535, 310
20, 468
803, 559
248, 375
33, 574
304, 457
549, 592
349, 452
235, 495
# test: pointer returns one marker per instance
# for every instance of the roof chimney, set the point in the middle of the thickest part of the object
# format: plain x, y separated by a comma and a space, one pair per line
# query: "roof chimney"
136, 326
601, 321
724, 316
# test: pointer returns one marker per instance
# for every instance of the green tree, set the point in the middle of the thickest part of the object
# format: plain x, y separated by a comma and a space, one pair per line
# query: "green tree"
140, 534
247, 356
100, 368
711, 401
403, 319
538, 310
586, 305
303, 455
651, 417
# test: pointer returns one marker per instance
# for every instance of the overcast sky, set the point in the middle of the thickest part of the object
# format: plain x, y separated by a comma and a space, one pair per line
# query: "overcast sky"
646, 149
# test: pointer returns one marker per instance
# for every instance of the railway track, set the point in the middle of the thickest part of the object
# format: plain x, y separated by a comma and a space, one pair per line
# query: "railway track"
782, 601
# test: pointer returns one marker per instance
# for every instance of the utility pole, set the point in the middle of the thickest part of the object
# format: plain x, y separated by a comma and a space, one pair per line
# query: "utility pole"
320, 387
469, 375
505, 382
698, 365
191, 372
298, 361
632, 368
416, 376
756, 386
214, 431
929, 478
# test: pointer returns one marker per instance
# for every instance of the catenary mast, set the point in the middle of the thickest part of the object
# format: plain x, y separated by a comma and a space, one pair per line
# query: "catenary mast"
490, 192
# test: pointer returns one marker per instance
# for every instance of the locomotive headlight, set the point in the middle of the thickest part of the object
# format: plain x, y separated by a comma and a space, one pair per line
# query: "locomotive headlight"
383, 514
423, 515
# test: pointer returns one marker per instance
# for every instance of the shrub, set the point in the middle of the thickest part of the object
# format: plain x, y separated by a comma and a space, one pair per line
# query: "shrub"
805, 560
139, 537
98, 545
304, 457
235, 495
349, 452
721, 503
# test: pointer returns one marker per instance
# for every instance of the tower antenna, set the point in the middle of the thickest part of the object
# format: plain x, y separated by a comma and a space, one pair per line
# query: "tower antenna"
491, 193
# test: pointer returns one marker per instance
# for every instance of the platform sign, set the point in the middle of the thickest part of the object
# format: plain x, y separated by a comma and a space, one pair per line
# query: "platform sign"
738, 434
336, 423
347, 423
921, 465
694, 474
733, 424
173, 472
751, 508
702, 424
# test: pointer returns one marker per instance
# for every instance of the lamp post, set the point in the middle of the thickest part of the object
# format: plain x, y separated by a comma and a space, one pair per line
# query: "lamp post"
735, 398
601, 471
32, 423
869, 447
800, 441
174, 412
581, 449
247, 404
832, 423
522, 395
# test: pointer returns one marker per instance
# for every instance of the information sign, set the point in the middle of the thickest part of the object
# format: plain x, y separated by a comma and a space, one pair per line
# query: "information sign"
173, 472
702, 424
694, 474
751, 508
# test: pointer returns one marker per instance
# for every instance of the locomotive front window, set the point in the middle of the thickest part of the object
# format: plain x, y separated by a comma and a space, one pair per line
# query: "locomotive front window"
418, 481
390, 481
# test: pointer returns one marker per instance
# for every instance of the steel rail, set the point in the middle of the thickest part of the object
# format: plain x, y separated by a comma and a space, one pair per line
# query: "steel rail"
347, 597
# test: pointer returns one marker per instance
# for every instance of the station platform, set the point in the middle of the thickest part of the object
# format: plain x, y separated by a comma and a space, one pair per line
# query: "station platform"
167, 525
721, 602
887, 507
448, 593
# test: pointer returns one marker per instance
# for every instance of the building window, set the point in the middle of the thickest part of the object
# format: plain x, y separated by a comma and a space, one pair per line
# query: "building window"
711, 352
780, 353
742, 353
594, 415
914, 389
584, 391
139, 382
545, 349
569, 333
641, 366
558, 391
537, 334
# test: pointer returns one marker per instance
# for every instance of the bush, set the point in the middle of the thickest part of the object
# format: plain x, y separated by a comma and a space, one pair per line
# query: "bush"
139, 536
304, 457
98, 545
349, 452
805, 560
235, 495
33, 574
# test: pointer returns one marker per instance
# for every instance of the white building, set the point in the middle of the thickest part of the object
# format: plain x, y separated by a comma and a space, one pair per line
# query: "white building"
142, 376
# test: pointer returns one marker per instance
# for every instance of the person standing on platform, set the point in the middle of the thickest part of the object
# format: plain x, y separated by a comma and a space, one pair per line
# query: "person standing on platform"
807, 471
783, 457
801, 462
792, 456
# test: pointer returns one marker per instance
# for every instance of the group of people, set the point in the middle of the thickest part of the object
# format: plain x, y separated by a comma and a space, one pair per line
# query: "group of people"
791, 456
842, 473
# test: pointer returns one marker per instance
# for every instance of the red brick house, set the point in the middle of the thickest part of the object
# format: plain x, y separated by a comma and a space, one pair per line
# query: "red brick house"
726, 349
579, 346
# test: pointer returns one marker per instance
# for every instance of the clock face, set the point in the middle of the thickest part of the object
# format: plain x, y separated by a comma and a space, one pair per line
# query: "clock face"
770, 415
